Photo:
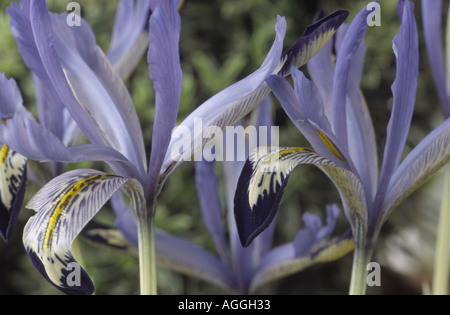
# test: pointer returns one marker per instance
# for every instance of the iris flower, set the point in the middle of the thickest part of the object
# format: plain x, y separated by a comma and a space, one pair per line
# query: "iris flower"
234, 268
127, 46
330, 111
92, 91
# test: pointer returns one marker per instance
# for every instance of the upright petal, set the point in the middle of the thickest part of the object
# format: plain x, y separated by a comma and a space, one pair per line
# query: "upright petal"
99, 90
405, 47
319, 136
129, 38
350, 45
165, 70
432, 25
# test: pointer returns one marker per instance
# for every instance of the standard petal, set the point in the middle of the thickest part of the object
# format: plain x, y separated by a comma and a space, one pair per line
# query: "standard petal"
432, 153
64, 206
432, 25
166, 74
265, 176
69, 54
350, 45
49, 105
405, 45
99, 90
129, 39
323, 141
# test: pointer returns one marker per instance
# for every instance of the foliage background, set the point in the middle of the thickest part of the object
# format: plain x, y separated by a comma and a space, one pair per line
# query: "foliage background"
221, 42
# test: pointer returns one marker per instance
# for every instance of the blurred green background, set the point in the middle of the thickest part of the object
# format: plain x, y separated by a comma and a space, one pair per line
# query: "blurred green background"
221, 42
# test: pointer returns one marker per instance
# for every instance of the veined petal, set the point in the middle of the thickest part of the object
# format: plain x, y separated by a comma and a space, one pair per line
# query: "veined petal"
422, 162
35, 142
99, 90
432, 25
166, 74
32, 22
129, 39
282, 261
265, 176
13, 178
64, 206
80, 72
49, 105
311, 41
405, 47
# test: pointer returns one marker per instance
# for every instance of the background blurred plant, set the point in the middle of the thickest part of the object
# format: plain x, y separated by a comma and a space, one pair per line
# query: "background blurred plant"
232, 37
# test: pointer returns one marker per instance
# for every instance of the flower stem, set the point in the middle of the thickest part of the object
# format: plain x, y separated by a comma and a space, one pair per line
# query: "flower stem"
361, 258
147, 256
442, 255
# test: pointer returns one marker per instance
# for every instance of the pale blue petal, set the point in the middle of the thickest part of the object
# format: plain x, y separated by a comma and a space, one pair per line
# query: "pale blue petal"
405, 47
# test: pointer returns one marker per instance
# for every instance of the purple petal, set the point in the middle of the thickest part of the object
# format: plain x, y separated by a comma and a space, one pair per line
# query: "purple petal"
405, 46
130, 22
432, 19
39, 32
35, 142
49, 104
421, 163
211, 207
10, 97
350, 45
165, 69
99, 90
312, 132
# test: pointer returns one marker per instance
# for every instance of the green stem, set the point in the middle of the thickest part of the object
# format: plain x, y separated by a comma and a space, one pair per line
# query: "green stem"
361, 258
442, 255
147, 256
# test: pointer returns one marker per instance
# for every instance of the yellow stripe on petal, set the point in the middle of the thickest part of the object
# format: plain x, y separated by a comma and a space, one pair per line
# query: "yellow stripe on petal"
330, 146
65, 201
